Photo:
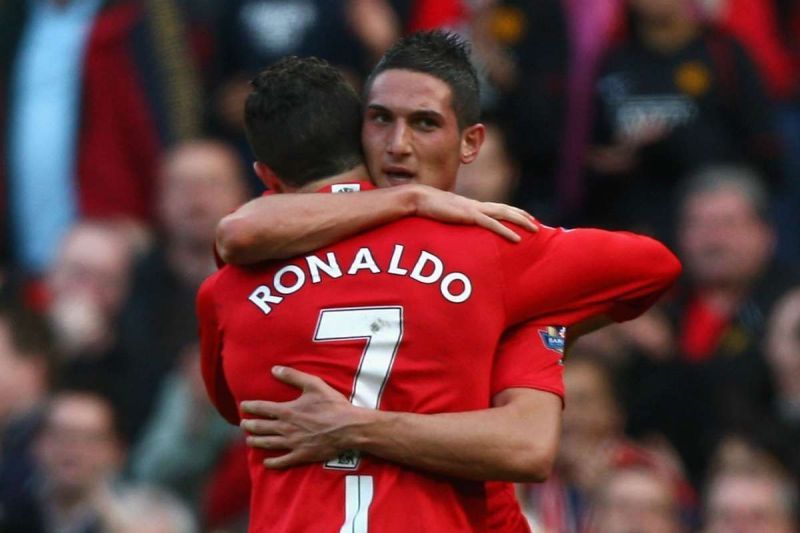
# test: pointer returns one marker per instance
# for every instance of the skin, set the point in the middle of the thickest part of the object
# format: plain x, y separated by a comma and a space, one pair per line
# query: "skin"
411, 140
633, 501
411, 132
744, 503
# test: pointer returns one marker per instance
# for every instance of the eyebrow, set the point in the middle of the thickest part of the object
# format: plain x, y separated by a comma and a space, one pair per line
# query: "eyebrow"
420, 113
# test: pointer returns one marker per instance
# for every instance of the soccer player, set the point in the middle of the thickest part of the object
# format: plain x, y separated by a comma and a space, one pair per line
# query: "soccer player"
375, 315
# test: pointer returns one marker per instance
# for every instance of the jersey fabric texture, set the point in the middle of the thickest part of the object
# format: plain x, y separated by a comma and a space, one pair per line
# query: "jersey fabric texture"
406, 317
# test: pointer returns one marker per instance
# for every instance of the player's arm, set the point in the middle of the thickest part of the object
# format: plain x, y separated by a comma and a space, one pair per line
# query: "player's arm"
211, 342
284, 225
515, 440
584, 278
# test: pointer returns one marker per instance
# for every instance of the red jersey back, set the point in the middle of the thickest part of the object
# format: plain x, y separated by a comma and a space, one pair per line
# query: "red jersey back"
406, 317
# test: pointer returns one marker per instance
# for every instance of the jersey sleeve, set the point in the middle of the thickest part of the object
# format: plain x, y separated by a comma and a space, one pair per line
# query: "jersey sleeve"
211, 342
530, 356
563, 277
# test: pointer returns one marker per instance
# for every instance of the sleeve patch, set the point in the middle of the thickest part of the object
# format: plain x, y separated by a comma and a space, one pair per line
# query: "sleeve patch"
554, 338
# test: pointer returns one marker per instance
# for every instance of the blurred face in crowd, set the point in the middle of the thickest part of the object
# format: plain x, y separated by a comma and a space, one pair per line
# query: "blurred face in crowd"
411, 132
743, 503
94, 267
201, 182
637, 501
22, 376
783, 344
724, 241
77, 448
591, 414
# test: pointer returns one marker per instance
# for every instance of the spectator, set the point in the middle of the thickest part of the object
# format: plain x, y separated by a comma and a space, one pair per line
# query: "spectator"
673, 97
592, 442
351, 35
25, 372
782, 349
200, 182
750, 502
718, 379
87, 287
524, 49
150, 510
78, 452
77, 77
185, 437
765, 28
637, 499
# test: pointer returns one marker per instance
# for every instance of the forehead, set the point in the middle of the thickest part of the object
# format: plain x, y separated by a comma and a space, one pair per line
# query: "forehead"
79, 411
406, 91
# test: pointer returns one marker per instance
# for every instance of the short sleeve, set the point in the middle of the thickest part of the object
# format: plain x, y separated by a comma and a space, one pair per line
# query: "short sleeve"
211, 343
530, 356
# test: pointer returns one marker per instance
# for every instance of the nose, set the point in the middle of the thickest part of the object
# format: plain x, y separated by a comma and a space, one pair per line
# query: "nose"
399, 140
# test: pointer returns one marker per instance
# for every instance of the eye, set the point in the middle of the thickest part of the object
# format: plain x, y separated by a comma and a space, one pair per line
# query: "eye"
427, 123
380, 117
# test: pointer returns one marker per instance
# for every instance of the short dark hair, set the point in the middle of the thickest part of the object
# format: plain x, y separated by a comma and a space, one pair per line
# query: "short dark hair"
303, 120
443, 55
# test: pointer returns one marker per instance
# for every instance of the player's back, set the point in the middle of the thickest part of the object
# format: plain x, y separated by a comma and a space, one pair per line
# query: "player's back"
403, 318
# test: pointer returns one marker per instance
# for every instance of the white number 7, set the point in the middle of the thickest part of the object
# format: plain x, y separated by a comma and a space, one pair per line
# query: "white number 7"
382, 328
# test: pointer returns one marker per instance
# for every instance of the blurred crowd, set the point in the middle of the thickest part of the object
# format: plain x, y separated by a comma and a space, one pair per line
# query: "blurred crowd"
121, 146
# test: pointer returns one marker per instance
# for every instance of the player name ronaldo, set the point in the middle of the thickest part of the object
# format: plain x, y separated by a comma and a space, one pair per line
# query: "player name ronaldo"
428, 269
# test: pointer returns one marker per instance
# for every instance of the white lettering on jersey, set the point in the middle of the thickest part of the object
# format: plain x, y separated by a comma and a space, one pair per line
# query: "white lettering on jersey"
262, 297
278, 282
363, 261
455, 287
456, 298
424, 259
331, 268
394, 264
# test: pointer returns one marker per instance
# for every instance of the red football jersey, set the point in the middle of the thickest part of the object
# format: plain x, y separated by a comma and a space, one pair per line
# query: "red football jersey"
406, 317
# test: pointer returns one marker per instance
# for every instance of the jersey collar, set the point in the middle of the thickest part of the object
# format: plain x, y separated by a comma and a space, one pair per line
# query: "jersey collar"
348, 186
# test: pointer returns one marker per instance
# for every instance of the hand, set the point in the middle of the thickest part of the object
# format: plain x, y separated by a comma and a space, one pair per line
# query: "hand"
312, 427
454, 209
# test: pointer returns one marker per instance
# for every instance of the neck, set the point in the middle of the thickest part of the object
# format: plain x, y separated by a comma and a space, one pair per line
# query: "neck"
357, 173
668, 34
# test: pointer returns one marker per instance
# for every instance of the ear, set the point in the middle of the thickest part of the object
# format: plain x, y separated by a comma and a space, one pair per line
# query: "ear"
471, 141
268, 177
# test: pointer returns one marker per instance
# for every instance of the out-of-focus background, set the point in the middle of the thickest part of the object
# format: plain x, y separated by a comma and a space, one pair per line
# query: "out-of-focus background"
121, 147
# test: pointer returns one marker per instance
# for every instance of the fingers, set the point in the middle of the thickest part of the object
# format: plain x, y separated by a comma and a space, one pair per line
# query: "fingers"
485, 221
295, 378
285, 461
268, 443
257, 426
511, 214
261, 408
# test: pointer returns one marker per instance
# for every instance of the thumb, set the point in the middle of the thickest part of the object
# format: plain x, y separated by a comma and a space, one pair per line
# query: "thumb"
293, 377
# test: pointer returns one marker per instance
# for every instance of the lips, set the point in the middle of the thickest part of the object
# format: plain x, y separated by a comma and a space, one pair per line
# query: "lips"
396, 175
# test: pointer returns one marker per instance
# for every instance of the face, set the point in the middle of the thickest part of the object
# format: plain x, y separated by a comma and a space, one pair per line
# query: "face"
22, 377
724, 242
77, 448
411, 132
590, 414
783, 344
746, 504
94, 265
634, 501
201, 183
